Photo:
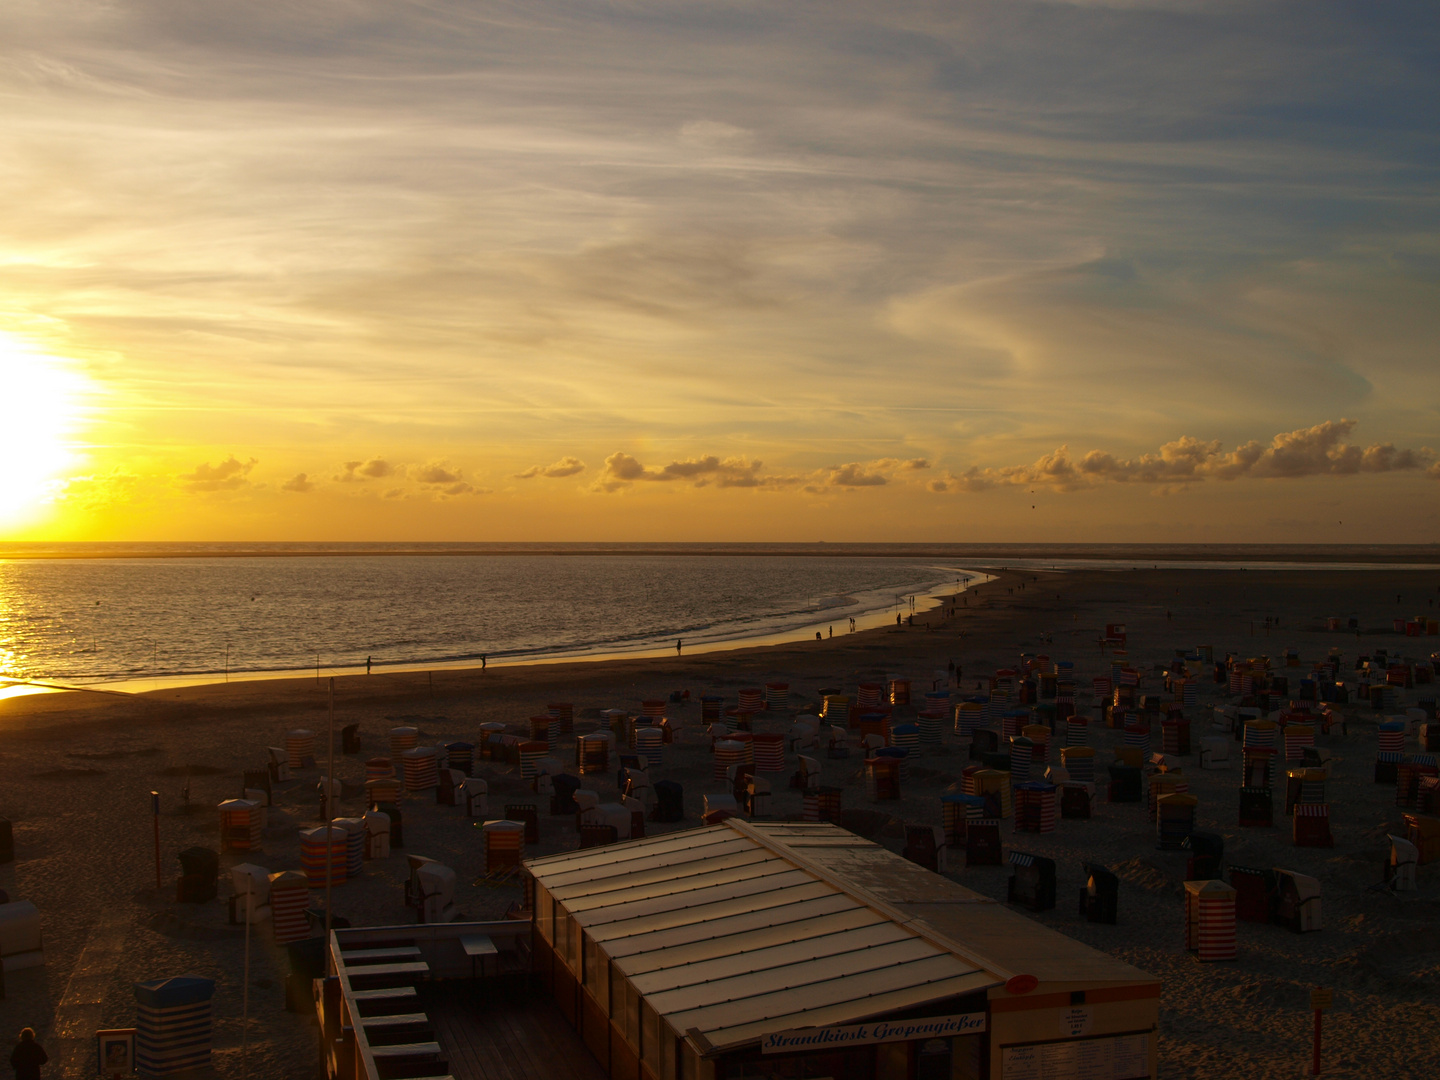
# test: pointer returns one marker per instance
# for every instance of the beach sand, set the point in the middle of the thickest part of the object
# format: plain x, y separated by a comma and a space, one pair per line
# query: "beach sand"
78, 768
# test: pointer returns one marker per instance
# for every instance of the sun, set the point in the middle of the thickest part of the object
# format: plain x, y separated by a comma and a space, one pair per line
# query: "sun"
44, 399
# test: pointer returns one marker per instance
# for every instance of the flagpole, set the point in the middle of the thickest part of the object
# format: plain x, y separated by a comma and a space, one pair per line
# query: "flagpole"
245, 1022
329, 814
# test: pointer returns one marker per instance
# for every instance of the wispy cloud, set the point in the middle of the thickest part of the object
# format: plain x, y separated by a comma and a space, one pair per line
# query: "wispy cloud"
827, 236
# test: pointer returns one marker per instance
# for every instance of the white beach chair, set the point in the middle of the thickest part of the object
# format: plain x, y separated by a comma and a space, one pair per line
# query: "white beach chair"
475, 794
804, 735
1215, 752
757, 797
807, 777
1404, 857
377, 835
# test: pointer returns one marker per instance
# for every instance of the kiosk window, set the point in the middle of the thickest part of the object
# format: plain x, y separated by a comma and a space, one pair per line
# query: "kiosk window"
572, 944
625, 1008
561, 927
650, 1038
966, 1057
856, 1063
892, 1061
597, 975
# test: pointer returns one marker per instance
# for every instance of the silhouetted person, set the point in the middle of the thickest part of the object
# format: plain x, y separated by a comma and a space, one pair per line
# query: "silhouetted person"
482, 661
367, 665
832, 631
677, 646
28, 1056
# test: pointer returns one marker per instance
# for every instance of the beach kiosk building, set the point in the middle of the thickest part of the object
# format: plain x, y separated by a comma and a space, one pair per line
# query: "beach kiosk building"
798, 949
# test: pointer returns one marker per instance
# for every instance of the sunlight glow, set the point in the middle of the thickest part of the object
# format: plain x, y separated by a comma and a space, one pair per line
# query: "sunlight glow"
44, 395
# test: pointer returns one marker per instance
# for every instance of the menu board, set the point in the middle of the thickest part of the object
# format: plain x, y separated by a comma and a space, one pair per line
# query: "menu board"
1114, 1057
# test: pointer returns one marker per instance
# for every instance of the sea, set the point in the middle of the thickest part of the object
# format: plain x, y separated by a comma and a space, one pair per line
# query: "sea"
159, 614
136, 616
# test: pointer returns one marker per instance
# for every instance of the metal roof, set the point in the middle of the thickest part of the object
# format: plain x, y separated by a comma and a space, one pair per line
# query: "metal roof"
727, 936
744, 928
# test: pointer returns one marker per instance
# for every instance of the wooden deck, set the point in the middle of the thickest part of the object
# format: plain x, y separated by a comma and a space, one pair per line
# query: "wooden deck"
504, 1032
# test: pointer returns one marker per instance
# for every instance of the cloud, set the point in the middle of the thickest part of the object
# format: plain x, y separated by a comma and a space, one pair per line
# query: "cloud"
300, 482
441, 480
566, 466
1305, 452
854, 475
116, 487
623, 471
437, 473
229, 475
1055, 226
360, 471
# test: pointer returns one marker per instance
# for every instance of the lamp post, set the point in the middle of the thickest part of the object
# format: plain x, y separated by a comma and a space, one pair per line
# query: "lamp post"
155, 812
329, 813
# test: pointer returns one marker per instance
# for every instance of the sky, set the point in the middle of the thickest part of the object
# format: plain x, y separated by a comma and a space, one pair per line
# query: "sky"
696, 270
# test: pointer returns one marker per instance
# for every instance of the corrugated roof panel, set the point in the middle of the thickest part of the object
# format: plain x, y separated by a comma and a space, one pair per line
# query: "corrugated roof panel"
615, 854
800, 828
802, 843
828, 971
996, 930
744, 855
779, 959
691, 924
724, 937
885, 875
691, 898
798, 834
852, 1012
645, 859
738, 876
831, 991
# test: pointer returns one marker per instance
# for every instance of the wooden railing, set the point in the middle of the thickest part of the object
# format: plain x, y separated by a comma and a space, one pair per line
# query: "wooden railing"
355, 992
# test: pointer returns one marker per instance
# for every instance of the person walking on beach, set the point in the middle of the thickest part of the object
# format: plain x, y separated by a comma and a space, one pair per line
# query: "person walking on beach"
678, 643
367, 665
28, 1056
482, 661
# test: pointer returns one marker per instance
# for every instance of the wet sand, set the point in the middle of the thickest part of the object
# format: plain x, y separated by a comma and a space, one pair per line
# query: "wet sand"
79, 767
